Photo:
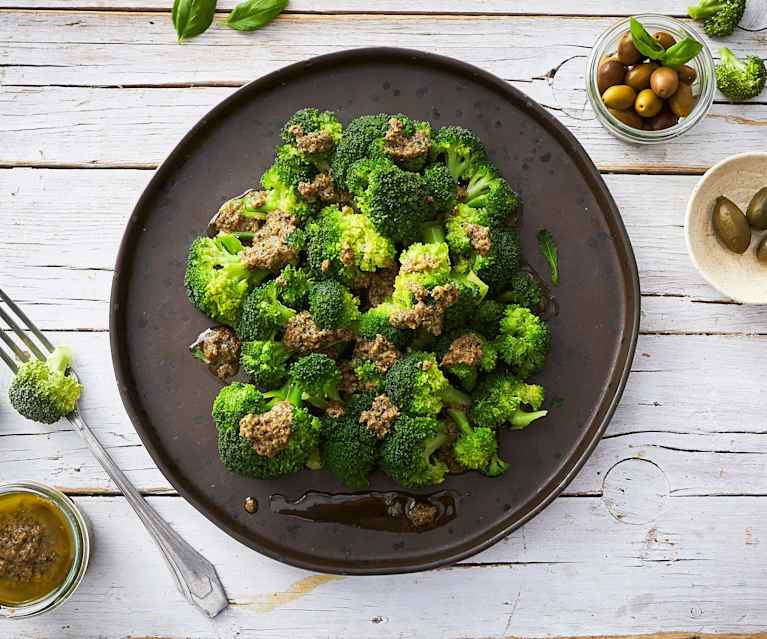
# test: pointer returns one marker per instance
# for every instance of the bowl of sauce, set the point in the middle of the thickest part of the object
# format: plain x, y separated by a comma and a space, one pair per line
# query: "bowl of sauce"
44, 549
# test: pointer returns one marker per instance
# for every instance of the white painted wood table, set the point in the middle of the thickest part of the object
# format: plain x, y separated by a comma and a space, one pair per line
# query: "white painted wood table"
664, 529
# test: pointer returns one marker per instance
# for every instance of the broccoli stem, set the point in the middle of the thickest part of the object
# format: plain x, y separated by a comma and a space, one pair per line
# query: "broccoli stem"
452, 396
729, 59
496, 467
315, 461
522, 418
460, 419
433, 233
58, 361
477, 186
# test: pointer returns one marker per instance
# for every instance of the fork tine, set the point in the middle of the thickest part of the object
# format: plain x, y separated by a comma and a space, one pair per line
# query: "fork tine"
8, 360
21, 335
20, 354
23, 316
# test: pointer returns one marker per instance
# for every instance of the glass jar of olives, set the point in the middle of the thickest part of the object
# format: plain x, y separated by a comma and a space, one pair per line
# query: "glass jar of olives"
648, 103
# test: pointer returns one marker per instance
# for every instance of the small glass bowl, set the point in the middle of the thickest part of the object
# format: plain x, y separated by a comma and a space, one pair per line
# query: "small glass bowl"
82, 546
703, 88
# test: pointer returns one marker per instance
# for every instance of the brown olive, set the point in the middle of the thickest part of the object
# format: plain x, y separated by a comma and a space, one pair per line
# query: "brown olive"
664, 120
730, 225
686, 74
628, 117
665, 38
627, 52
761, 250
664, 82
757, 210
647, 104
619, 97
609, 74
682, 102
638, 77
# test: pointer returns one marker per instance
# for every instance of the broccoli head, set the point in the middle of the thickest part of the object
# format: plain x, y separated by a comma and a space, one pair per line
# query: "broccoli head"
407, 455
719, 17
375, 321
265, 361
487, 319
314, 134
740, 79
460, 150
524, 340
476, 448
263, 315
421, 266
524, 290
216, 279
281, 181
314, 379
502, 399
464, 355
332, 306
356, 142
234, 401
43, 391
293, 286
406, 142
471, 293
442, 189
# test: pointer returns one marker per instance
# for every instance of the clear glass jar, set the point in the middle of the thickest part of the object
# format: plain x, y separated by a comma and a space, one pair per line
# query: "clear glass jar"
703, 88
81, 554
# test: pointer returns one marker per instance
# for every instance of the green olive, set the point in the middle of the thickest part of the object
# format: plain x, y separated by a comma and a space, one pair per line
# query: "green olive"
664, 120
647, 104
627, 52
619, 97
638, 77
664, 82
609, 74
757, 210
686, 74
665, 38
628, 117
730, 225
761, 250
682, 102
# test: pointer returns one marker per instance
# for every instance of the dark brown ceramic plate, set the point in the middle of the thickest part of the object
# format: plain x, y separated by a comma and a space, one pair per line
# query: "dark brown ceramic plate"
168, 395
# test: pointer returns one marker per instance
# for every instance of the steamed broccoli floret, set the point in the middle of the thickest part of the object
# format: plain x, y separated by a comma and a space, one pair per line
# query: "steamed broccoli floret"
406, 142
263, 315
719, 17
502, 399
487, 319
43, 391
368, 374
421, 266
216, 280
524, 340
471, 293
467, 373
524, 290
740, 79
477, 448
499, 263
332, 306
461, 151
265, 361
314, 379
441, 188
375, 321
416, 385
355, 144
281, 180
302, 129
407, 454
497, 199
293, 286
235, 401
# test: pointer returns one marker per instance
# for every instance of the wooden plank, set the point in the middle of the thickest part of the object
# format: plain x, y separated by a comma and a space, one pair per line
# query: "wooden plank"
572, 571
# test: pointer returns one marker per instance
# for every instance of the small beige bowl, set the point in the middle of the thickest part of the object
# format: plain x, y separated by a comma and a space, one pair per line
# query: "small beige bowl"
740, 277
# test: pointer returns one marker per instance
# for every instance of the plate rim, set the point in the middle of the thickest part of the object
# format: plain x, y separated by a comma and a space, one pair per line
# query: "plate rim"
617, 380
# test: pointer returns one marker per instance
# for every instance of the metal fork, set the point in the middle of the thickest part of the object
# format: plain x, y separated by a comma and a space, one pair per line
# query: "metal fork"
195, 576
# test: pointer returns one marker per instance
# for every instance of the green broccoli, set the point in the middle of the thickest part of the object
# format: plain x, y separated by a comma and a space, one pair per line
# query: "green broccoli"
471, 293
43, 391
498, 265
234, 401
369, 376
524, 340
265, 361
314, 379
314, 134
487, 318
464, 355
332, 306
281, 181
477, 448
421, 266
216, 280
416, 385
356, 142
263, 315
740, 79
406, 142
407, 453
375, 321
502, 399
719, 17
442, 189
293, 286
524, 290
460, 150
495, 197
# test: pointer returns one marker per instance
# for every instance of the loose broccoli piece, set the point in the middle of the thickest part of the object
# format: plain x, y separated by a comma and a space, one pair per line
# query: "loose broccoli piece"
477, 448
524, 291
460, 150
548, 248
719, 17
740, 79
502, 399
263, 315
265, 361
407, 454
442, 189
524, 340
314, 134
332, 306
416, 385
466, 354
356, 143
216, 280
314, 379
43, 391
487, 319
342, 243
375, 321
293, 286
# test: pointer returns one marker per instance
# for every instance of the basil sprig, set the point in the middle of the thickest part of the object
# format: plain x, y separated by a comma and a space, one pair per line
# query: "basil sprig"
254, 14
683, 51
192, 17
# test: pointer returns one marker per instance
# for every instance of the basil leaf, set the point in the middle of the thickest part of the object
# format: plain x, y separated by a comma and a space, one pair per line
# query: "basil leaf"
254, 14
683, 51
192, 17
644, 42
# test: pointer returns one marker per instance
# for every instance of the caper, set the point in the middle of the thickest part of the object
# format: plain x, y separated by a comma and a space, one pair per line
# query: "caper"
647, 104
686, 74
628, 117
627, 52
638, 77
761, 250
664, 82
730, 225
664, 120
609, 74
619, 97
665, 38
682, 102
757, 210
